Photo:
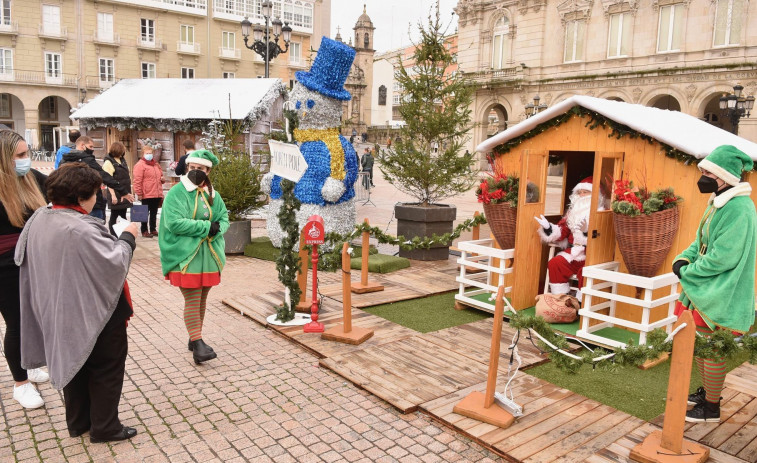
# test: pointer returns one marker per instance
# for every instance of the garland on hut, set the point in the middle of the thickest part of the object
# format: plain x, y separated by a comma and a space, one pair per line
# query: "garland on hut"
720, 343
596, 119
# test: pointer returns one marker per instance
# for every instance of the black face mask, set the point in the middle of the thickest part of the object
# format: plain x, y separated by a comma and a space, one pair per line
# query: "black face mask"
197, 177
707, 184
89, 151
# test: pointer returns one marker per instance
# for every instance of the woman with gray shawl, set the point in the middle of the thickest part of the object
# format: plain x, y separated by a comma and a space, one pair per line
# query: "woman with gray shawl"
75, 302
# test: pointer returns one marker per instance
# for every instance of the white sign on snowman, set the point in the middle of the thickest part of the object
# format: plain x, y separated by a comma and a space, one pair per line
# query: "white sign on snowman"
287, 160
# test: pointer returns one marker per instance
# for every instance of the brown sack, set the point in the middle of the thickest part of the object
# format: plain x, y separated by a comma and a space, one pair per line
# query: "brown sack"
557, 308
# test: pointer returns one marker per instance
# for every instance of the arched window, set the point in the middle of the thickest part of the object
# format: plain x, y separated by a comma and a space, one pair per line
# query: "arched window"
382, 95
501, 43
367, 41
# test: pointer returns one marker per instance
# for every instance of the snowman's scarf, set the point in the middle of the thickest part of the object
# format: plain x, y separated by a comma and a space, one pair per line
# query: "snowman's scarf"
331, 138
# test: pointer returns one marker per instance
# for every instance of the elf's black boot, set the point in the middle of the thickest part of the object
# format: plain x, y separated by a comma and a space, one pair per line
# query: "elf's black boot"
706, 412
202, 352
190, 346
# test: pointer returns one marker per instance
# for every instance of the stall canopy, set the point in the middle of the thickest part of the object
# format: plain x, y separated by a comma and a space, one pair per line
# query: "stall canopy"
179, 104
681, 131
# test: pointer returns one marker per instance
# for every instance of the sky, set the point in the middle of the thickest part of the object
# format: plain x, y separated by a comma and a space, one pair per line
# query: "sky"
390, 18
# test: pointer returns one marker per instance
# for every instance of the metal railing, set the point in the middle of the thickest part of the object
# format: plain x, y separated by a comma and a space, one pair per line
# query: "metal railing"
42, 77
150, 43
230, 53
188, 47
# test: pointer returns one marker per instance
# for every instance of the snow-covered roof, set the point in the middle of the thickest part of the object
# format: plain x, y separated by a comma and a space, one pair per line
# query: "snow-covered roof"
681, 131
177, 104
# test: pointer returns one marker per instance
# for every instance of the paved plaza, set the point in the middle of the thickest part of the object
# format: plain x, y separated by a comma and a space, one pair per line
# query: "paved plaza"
263, 399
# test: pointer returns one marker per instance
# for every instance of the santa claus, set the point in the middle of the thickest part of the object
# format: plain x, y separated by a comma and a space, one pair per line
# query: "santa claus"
570, 235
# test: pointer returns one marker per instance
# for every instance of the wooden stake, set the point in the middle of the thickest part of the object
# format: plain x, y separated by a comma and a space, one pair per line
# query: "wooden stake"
345, 332
669, 445
481, 406
365, 286
476, 232
304, 304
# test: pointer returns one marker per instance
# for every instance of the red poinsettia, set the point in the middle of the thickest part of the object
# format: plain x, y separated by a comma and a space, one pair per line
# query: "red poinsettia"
632, 201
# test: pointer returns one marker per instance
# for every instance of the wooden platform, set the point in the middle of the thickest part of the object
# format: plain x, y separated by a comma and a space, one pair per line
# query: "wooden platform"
431, 372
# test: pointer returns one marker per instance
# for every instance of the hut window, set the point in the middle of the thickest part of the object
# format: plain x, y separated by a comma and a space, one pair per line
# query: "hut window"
574, 40
670, 30
501, 43
728, 19
619, 43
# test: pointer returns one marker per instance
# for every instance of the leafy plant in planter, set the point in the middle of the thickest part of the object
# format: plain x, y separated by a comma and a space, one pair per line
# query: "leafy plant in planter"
426, 160
235, 178
645, 223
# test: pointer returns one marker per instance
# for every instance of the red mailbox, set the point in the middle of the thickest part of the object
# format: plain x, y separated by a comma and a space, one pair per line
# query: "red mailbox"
314, 232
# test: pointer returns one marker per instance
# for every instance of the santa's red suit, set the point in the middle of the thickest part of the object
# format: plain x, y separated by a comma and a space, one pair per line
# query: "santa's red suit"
570, 235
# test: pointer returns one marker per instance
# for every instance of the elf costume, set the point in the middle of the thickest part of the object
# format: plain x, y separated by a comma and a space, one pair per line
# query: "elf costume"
717, 271
192, 225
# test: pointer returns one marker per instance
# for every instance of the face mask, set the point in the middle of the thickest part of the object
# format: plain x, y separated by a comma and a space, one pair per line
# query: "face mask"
148, 157
23, 166
707, 184
89, 151
197, 177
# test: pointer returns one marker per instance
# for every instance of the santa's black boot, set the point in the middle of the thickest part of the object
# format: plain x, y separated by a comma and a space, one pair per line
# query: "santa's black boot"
707, 412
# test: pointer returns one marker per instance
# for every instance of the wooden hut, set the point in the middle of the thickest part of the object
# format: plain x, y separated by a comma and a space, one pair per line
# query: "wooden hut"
173, 110
605, 139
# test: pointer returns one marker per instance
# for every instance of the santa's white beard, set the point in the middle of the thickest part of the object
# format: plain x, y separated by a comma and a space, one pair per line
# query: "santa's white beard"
578, 213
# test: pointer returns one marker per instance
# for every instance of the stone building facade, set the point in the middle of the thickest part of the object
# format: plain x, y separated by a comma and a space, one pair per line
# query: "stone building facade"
673, 54
56, 54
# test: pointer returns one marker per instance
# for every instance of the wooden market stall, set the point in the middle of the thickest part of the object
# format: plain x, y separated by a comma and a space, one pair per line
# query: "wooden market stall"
585, 136
173, 110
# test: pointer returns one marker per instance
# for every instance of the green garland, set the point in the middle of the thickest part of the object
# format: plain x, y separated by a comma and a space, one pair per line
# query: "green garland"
288, 262
721, 343
331, 260
596, 119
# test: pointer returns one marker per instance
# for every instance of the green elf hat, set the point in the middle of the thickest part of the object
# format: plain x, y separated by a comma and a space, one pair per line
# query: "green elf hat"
727, 163
203, 158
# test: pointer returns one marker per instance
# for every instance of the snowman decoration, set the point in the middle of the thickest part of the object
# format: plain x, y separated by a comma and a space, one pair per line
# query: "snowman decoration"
327, 186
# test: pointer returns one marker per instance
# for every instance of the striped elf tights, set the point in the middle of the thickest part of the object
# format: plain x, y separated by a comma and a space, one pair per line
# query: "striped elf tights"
195, 300
712, 371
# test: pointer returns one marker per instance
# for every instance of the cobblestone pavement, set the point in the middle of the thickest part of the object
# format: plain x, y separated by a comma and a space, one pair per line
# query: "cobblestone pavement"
263, 399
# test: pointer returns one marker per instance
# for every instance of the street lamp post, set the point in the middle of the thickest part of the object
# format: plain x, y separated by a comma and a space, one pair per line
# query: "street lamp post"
734, 106
262, 45
535, 108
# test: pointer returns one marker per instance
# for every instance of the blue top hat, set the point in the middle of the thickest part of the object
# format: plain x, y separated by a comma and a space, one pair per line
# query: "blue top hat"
329, 70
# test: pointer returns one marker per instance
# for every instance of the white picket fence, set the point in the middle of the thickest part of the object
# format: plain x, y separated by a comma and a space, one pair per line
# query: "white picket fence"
480, 254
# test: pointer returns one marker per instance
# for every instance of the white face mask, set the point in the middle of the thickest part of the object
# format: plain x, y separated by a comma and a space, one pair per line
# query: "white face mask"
148, 157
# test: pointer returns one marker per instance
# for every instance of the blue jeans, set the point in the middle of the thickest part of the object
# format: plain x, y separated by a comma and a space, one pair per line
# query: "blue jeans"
99, 213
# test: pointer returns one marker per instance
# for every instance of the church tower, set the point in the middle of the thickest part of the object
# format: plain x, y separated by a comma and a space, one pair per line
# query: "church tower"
360, 81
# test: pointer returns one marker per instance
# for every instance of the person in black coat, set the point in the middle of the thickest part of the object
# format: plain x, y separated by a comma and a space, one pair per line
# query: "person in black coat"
115, 165
84, 152
21, 192
181, 166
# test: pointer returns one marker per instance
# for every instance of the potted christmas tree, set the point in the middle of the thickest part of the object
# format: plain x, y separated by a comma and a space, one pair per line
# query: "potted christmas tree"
427, 160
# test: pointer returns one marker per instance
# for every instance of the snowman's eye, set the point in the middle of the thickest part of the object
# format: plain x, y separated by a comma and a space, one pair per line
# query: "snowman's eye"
298, 104
311, 103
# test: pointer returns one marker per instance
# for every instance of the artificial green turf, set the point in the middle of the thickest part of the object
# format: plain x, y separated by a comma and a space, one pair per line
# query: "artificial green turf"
381, 263
635, 391
427, 314
262, 248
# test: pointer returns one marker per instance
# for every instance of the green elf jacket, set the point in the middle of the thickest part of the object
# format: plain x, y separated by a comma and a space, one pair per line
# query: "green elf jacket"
184, 226
718, 282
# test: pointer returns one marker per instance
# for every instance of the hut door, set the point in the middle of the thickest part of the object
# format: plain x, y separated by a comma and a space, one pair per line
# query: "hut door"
528, 247
601, 243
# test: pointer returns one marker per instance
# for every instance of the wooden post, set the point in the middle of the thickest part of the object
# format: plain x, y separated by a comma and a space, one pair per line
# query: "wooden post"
669, 445
476, 232
345, 332
365, 286
481, 406
304, 304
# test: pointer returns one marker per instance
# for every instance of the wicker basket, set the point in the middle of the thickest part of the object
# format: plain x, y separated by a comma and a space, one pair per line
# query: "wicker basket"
645, 240
501, 218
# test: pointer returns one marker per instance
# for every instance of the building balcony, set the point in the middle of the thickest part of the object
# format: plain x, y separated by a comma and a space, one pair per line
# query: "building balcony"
188, 48
53, 34
113, 40
149, 43
491, 75
298, 63
193, 7
229, 53
8, 28
42, 78
7, 75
